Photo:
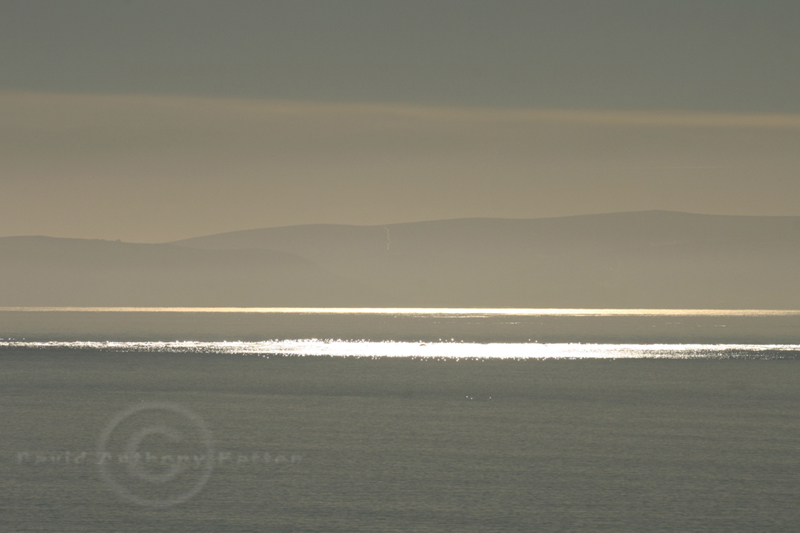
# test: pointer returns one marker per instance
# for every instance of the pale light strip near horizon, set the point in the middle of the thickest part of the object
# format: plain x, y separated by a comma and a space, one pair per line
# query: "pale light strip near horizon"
416, 311
429, 350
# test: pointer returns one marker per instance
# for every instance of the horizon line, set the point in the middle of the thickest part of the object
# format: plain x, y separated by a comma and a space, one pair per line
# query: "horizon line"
510, 311
425, 221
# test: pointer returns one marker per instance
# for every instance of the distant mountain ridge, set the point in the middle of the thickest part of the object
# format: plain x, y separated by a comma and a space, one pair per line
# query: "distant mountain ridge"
651, 259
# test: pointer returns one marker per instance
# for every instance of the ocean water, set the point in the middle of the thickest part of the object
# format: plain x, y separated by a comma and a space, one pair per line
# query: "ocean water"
232, 420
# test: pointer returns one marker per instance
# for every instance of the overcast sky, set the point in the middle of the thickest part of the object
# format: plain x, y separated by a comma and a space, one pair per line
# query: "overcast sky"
156, 120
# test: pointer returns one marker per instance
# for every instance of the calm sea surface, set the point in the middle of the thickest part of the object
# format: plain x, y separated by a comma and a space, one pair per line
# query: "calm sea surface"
245, 420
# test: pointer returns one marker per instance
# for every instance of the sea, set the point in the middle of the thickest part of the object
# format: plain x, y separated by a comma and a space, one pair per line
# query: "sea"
394, 420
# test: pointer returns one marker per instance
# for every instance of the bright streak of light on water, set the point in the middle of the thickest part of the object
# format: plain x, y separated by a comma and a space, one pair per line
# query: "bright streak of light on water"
432, 350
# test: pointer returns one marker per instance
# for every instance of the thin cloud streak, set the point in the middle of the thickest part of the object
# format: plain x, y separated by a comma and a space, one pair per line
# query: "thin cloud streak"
69, 104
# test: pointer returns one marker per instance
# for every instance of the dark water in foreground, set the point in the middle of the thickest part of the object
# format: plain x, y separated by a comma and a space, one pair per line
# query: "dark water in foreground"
322, 443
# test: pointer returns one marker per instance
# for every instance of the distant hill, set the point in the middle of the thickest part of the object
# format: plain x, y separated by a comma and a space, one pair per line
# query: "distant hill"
652, 259
43, 271
638, 260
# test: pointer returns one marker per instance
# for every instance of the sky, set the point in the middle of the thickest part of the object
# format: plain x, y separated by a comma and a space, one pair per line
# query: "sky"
151, 121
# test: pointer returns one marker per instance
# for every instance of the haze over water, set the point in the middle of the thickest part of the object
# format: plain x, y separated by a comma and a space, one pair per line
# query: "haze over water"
179, 165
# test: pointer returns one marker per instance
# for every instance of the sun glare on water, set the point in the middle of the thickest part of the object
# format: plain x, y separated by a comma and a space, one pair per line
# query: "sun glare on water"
427, 350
